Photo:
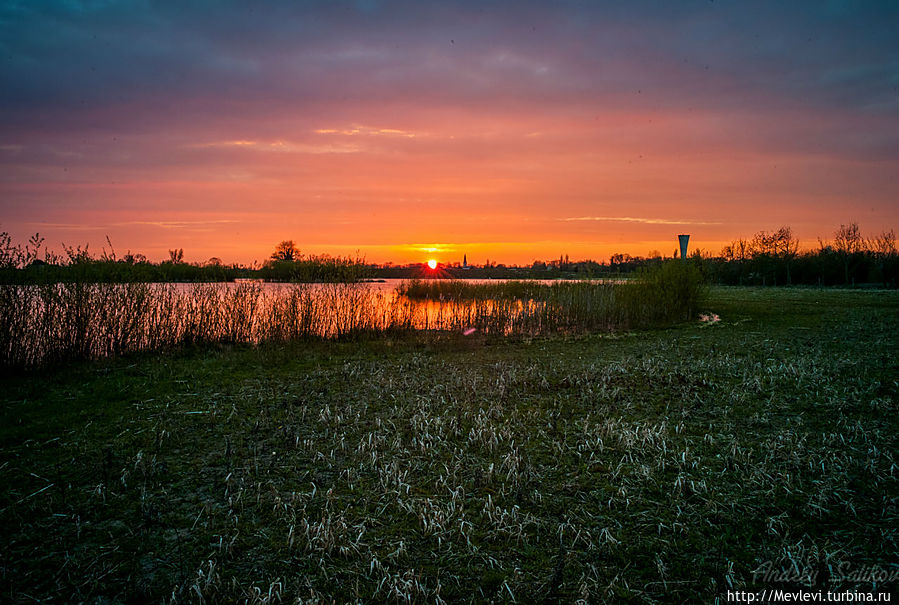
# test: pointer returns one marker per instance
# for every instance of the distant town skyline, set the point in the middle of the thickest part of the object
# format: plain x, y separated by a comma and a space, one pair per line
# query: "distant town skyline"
405, 131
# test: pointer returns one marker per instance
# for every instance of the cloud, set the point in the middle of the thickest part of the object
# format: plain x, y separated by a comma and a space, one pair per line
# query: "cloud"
431, 248
279, 146
65, 226
160, 224
108, 63
175, 224
631, 219
367, 131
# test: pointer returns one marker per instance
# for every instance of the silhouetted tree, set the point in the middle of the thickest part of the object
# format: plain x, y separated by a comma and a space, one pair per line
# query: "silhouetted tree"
286, 251
786, 247
737, 253
773, 252
883, 247
762, 249
848, 243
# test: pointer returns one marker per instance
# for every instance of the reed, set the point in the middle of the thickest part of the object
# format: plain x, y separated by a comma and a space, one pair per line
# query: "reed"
459, 290
671, 291
77, 320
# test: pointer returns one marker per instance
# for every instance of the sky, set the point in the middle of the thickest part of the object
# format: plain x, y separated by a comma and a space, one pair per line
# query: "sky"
402, 131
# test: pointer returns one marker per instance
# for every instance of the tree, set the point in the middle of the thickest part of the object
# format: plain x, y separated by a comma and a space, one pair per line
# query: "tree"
883, 247
737, 252
773, 251
848, 239
786, 247
286, 251
763, 248
848, 242
176, 256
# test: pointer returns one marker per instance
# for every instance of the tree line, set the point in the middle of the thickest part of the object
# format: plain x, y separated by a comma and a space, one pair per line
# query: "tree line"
774, 258
769, 258
32, 262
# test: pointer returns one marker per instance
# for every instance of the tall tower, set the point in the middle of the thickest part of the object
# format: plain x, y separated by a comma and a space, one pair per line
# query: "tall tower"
683, 245
465, 260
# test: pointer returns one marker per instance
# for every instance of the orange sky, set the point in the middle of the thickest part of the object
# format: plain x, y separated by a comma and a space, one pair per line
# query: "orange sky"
509, 139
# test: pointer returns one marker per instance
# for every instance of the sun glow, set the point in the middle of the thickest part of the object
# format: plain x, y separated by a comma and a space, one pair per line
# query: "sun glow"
432, 264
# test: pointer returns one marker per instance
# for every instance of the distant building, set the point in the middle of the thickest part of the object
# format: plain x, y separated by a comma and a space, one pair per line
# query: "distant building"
683, 239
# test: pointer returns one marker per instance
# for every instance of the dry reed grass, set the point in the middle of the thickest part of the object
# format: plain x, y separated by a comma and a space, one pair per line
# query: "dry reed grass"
54, 322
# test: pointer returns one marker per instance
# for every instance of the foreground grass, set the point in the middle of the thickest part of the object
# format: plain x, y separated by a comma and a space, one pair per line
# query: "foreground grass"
652, 466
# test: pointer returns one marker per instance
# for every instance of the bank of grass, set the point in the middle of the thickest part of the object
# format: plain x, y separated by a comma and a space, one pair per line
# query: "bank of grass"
654, 466
464, 290
667, 293
670, 292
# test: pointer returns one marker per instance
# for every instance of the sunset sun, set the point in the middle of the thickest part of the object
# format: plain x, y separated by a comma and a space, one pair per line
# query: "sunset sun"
432, 264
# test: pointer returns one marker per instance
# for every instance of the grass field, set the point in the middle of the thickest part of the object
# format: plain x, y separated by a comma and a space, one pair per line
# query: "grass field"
652, 466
